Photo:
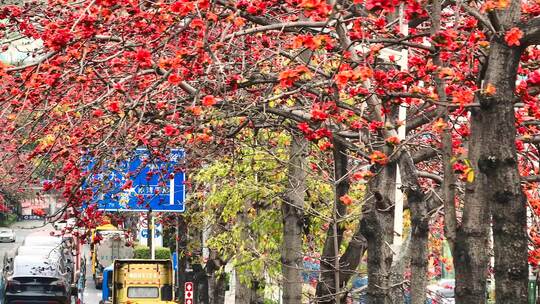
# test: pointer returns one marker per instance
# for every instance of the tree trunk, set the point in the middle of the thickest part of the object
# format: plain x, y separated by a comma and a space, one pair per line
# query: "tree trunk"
293, 216
449, 182
419, 249
242, 292
471, 247
449, 189
419, 229
351, 258
498, 167
216, 288
497, 185
218, 280
377, 226
330, 276
399, 264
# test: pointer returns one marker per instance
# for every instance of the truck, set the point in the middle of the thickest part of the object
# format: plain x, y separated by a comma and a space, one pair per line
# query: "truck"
107, 246
106, 287
139, 281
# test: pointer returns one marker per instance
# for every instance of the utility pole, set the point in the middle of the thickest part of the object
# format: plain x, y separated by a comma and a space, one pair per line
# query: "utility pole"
182, 257
402, 115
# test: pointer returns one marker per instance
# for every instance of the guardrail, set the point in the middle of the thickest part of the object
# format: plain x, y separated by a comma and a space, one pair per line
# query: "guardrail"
30, 217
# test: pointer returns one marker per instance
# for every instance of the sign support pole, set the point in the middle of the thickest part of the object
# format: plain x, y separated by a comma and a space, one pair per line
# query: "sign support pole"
153, 244
177, 250
150, 239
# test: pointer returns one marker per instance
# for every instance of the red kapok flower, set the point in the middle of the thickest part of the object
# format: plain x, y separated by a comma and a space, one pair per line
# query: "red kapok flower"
114, 107
512, 36
490, 90
366, 174
378, 157
392, 140
209, 100
304, 127
170, 130
346, 200
143, 56
127, 185
534, 78
174, 79
97, 113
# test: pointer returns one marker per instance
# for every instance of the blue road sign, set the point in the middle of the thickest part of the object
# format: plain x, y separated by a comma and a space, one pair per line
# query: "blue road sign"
139, 184
144, 233
175, 261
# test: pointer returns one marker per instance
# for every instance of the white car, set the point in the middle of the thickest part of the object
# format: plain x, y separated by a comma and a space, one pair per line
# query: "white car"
61, 224
442, 292
7, 235
42, 240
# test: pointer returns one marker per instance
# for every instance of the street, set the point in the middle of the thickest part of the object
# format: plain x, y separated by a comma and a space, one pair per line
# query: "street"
23, 229
91, 294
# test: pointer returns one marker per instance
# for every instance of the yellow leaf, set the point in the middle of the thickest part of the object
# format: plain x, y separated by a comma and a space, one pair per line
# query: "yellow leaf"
291, 102
470, 175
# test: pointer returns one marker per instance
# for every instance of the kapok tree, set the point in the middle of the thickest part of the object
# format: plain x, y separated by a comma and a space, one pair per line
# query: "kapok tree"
114, 75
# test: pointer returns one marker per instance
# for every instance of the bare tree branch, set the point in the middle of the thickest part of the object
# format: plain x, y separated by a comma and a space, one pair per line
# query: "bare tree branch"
531, 31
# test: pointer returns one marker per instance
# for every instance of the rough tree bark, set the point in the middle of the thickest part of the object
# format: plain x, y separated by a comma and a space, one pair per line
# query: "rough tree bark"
377, 226
351, 258
326, 288
419, 229
247, 293
449, 181
293, 216
471, 247
499, 174
217, 287
217, 280
242, 292
496, 187
449, 189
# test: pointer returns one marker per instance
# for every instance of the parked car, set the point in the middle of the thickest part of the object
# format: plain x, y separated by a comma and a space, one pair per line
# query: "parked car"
42, 240
36, 280
61, 224
57, 254
7, 235
442, 292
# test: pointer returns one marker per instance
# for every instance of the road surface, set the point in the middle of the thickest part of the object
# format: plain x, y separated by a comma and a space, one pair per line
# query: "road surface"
23, 229
91, 294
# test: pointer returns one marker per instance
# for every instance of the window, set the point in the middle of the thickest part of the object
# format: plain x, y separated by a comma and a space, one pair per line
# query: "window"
143, 292
109, 279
